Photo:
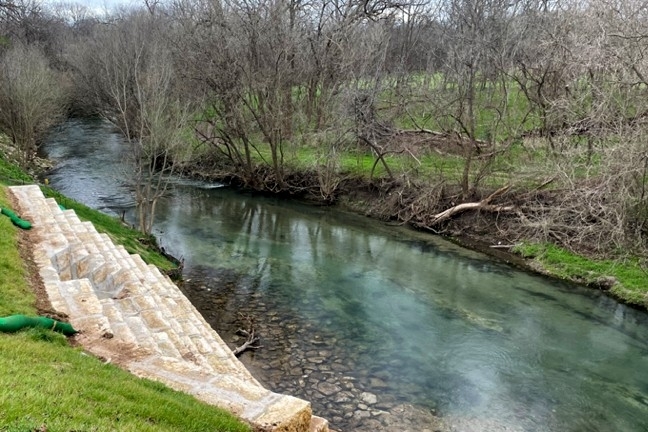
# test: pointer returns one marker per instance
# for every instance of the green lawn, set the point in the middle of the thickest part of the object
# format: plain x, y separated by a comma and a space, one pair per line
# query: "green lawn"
50, 386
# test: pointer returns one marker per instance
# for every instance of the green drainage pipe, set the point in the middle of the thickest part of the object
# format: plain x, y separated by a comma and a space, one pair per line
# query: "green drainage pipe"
21, 223
14, 323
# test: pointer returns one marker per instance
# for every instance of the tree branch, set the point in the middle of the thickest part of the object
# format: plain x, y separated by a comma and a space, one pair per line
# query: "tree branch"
481, 205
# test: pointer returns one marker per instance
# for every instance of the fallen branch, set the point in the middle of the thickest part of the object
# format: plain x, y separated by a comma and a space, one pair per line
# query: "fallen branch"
251, 338
439, 134
481, 205
421, 131
545, 183
504, 246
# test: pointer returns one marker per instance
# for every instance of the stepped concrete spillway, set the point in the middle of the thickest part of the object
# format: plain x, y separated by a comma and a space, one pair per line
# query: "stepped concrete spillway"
131, 314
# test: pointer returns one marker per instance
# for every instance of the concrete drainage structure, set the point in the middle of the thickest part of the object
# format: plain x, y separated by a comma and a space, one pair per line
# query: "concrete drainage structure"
132, 315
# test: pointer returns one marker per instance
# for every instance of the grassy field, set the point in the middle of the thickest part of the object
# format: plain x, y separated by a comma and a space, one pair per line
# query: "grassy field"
50, 386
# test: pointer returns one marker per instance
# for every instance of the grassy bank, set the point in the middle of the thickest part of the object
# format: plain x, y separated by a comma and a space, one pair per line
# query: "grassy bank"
626, 280
49, 385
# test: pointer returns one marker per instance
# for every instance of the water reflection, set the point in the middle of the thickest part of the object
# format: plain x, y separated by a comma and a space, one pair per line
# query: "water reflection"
349, 307
438, 326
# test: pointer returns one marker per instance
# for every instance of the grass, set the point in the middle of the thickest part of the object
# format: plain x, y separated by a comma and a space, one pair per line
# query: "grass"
500, 113
10, 173
521, 163
631, 277
15, 294
49, 385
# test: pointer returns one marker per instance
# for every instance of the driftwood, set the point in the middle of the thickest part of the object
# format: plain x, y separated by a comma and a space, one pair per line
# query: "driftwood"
481, 205
251, 338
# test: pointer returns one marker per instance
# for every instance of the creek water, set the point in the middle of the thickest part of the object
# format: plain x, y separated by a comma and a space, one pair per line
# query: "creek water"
381, 327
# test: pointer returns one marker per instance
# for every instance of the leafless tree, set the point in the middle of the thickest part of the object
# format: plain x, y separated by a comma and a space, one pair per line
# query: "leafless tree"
470, 97
32, 98
270, 78
130, 76
276, 72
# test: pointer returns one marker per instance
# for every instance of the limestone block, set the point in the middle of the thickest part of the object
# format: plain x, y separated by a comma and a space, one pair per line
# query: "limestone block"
231, 387
188, 328
288, 414
123, 333
140, 263
123, 252
165, 346
154, 320
99, 275
53, 206
318, 424
89, 226
144, 302
60, 306
105, 290
80, 297
142, 334
48, 273
111, 311
71, 218
173, 307
97, 324
201, 344
62, 259
54, 242
116, 281
127, 306
85, 266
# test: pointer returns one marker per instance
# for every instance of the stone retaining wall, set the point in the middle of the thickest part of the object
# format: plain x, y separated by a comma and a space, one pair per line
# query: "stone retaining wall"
132, 315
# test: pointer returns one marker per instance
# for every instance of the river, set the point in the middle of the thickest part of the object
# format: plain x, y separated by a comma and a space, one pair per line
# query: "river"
382, 328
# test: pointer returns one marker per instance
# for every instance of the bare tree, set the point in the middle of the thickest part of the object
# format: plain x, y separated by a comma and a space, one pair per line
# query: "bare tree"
276, 73
469, 100
32, 98
131, 77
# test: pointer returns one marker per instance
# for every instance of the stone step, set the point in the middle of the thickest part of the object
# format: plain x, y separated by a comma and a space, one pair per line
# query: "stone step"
158, 319
53, 207
85, 312
144, 338
118, 326
68, 257
185, 328
53, 241
72, 217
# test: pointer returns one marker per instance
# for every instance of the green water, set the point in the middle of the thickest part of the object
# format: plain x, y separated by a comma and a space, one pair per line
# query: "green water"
409, 317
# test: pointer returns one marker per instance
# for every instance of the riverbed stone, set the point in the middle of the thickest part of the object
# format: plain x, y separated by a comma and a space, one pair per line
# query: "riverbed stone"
369, 398
327, 388
361, 414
